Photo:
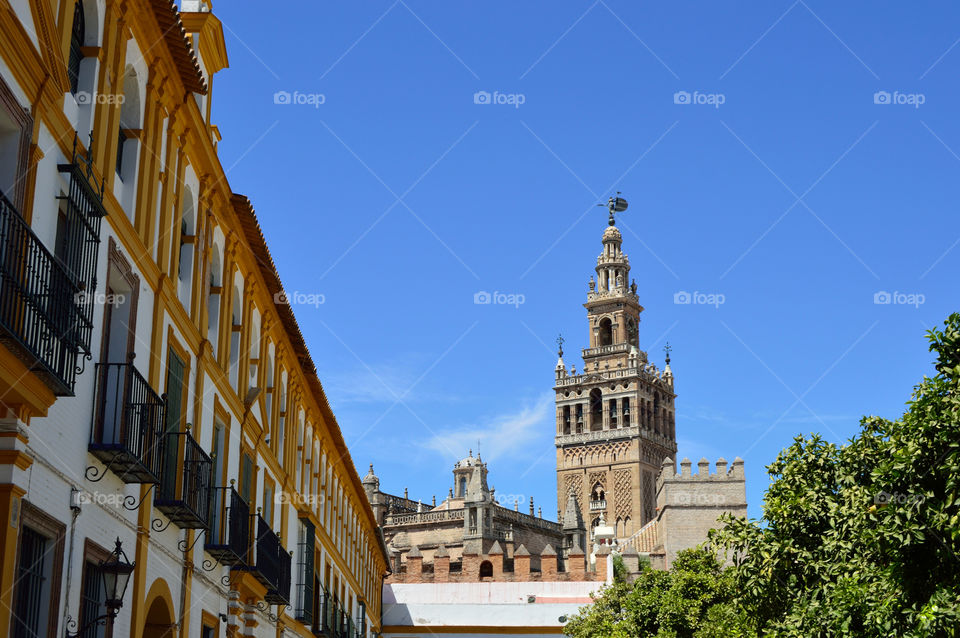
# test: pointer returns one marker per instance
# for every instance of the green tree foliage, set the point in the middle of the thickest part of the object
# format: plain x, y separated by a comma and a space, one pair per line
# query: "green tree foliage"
685, 602
863, 539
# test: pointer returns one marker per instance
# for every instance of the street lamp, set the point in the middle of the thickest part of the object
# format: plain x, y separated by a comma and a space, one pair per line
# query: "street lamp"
115, 570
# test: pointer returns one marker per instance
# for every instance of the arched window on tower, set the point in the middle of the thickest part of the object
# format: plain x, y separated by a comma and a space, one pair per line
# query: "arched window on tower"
566, 419
656, 413
462, 487
596, 410
606, 332
598, 492
579, 418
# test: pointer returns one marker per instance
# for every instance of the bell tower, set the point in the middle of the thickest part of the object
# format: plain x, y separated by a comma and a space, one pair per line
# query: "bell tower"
615, 417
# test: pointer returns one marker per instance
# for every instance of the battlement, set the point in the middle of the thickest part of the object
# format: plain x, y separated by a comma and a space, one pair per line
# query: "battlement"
496, 566
668, 474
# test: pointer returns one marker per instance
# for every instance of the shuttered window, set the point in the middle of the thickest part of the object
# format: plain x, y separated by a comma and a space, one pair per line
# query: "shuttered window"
246, 478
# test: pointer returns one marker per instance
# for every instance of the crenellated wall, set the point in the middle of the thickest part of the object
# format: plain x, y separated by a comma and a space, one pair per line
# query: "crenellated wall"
688, 505
497, 567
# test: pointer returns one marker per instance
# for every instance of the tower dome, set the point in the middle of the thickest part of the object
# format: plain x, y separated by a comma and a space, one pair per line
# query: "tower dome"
370, 478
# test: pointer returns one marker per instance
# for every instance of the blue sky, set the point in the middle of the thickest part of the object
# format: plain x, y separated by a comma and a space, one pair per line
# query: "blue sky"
793, 158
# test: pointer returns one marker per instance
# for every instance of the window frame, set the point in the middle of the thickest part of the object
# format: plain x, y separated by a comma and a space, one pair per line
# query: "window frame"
41, 523
93, 555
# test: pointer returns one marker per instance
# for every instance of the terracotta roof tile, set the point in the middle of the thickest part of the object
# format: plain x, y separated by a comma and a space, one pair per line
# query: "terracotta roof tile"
168, 17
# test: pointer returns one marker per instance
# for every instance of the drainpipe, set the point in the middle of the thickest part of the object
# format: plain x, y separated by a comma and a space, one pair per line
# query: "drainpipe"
75, 512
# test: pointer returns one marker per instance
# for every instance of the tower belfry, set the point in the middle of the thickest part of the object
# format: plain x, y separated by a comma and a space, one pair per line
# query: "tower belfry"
615, 419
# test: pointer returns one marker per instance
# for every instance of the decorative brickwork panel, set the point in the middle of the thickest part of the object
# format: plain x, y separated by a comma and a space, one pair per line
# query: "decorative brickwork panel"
649, 496
575, 484
623, 493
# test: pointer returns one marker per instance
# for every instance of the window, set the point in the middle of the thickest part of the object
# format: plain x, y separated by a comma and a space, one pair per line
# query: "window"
217, 457
33, 585
92, 595
606, 332
213, 300
209, 625
176, 414
121, 141
306, 600
76, 42
246, 478
236, 328
92, 598
39, 566
78, 238
268, 490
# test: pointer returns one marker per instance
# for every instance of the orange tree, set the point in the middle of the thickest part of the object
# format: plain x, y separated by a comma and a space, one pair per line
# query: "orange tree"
862, 539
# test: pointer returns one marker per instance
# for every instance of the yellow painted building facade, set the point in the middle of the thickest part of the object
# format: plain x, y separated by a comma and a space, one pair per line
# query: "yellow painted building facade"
154, 385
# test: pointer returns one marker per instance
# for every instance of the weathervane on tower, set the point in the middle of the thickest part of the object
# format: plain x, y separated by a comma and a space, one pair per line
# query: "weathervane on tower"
615, 205
560, 345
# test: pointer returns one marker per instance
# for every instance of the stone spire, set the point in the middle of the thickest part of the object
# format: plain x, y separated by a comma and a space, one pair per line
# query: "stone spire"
571, 516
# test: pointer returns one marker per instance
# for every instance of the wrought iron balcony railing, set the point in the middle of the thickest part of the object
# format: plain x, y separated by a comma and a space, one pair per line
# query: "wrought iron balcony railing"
229, 531
269, 562
328, 616
39, 315
128, 416
184, 490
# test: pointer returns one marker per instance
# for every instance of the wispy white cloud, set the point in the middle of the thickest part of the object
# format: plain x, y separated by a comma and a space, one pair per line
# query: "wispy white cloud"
381, 382
502, 436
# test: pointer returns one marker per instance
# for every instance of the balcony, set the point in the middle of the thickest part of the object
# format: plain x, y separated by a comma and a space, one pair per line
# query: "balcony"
184, 495
328, 622
597, 506
335, 621
617, 348
229, 531
40, 320
128, 417
269, 563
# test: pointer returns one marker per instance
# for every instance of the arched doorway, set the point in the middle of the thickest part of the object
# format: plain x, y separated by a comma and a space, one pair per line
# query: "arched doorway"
486, 570
159, 621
